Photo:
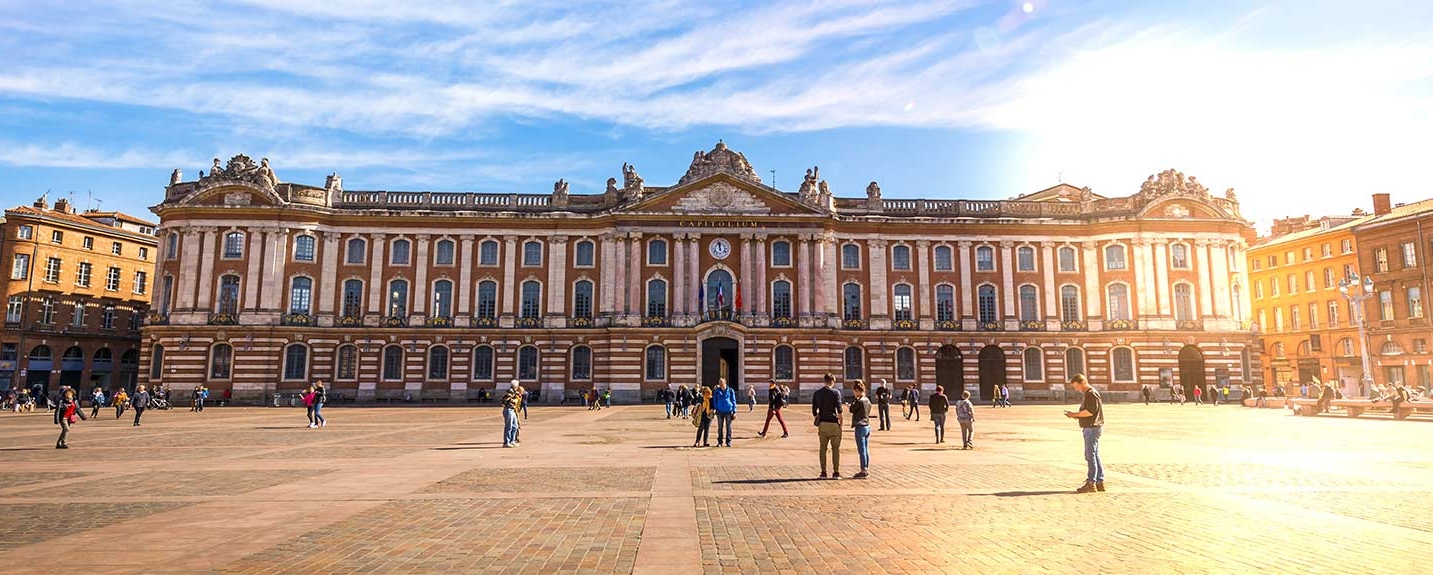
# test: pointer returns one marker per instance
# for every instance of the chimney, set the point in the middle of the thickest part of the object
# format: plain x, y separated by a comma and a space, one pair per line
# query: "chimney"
1381, 205
62, 205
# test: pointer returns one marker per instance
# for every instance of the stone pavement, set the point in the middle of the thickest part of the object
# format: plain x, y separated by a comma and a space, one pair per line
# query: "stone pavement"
430, 490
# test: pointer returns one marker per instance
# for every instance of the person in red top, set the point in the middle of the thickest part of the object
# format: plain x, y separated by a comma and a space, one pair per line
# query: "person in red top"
66, 415
1198, 396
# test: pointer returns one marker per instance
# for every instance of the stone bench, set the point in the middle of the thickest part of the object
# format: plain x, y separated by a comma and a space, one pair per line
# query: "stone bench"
1273, 402
1356, 407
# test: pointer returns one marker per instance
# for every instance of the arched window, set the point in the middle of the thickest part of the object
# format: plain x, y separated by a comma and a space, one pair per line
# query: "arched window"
1183, 302
851, 301
986, 304
400, 255
1068, 260
531, 299
1025, 259
352, 298
784, 363
487, 299
657, 298
718, 292
1390, 348
1034, 364
1345, 347
1114, 257
296, 362
166, 297
221, 361
346, 364
1122, 364
902, 301
1118, 301
443, 253
300, 295
527, 363
781, 254
582, 363
855, 363
228, 294
1029, 303
586, 254
304, 249
393, 363
357, 251
233, 245
443, 298
901, 257
1070, 303
488, 253
657, 252
945, 302
398, 298
171, 247
850, 257
905, 364
483, 362
656, 367
156, 361
1179, 256
531, 253
985, 259
437, 362
582, 299
943, 260
1074, 362
781, 299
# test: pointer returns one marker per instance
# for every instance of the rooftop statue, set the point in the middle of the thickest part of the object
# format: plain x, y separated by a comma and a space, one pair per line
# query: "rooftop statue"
241, 168
719, 160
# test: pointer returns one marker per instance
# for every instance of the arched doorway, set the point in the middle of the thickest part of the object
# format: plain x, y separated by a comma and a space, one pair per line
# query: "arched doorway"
992, 371
721, 358
72, 366
718, 296
101, 367
129, 370
37, 370
949, 373
1191, 369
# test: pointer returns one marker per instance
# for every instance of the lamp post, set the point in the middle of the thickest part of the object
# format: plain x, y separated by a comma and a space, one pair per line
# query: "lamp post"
1355, 300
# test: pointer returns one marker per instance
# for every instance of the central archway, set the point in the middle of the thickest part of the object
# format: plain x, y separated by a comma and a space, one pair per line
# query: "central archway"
992, 371
721, 358
949, 373
1191, 369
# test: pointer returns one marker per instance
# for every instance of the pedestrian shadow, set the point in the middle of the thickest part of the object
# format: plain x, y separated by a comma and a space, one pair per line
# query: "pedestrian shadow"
467, 447
20, 449
1022, 493
669, 447
768, 481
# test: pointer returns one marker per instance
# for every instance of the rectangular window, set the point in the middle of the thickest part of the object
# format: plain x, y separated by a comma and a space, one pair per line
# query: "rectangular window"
116, 248
78, 319
488, 254
443, 256
1346, 246
985, 259
1114, 258
1333, 314
943, 259
1257, 265
1308, 254
1067, 259
52, 270
144, 253
1288, 258
1385, 305
1327, 251
1328, 278
111, 279
140, 282
1273, 261
532, 254
1410, 254
82, 276
1415, 302
781, 254
107, 317
1313, 316
1380, 260
57, 237
171, 245
13, 309
1025, 260
26, 232
88, 243
21, 269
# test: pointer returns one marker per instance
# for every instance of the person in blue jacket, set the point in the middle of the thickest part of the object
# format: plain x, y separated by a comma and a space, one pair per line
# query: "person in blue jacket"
724, 402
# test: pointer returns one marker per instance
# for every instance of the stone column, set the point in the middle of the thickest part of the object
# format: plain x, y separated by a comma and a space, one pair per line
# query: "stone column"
830, 251
879, 300
206, 269
509, 289
636, 292
420, 279
694, 259
679, 275
607, 273
465, 276
1161, 278
557, 281
188, 281
745, 279
326, 289
1220, 261
377, 300
275, 256
252, 278
1144, 288
621, 269
1007, 275
1206, 279
803, 278
1094, 291
1052, 289
967, 295
925, 314
760, 287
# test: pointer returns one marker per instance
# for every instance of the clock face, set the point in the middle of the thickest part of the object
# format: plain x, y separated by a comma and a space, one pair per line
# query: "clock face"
720, 248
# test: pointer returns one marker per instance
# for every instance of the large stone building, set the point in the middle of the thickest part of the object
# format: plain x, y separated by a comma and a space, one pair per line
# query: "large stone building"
267, 285
1393, 249
76, 293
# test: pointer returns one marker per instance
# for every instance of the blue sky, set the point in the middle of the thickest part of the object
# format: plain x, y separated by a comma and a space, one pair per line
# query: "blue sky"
1302, 107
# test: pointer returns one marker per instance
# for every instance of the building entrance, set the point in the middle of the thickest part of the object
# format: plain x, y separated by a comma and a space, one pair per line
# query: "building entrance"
721, 358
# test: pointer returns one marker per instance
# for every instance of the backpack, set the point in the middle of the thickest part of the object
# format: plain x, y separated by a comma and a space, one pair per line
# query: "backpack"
779, 400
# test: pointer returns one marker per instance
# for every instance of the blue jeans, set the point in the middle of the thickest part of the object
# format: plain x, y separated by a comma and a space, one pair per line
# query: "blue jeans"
1095, 471
863, 450
317, 411
939, 420
669, 410
724, 421
509, 425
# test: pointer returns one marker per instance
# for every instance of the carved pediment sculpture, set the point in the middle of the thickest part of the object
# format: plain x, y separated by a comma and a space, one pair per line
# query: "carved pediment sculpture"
237, 199
1171, 182
719, 160
721, 198
241, 168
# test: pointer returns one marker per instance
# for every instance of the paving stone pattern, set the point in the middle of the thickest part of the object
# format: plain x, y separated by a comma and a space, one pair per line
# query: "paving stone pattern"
570, 480
23, 524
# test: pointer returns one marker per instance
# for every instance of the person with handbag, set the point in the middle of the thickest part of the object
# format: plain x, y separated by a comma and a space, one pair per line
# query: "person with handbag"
308, 397
139, 403
702, 414
68, 413
775, 401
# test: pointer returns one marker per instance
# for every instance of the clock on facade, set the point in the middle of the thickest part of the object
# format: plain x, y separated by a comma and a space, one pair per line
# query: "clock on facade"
720, 248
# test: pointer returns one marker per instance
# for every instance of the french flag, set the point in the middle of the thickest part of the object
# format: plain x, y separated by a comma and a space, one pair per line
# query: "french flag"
721, 299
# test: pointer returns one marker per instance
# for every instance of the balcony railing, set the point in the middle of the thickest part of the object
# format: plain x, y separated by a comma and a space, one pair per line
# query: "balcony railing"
719, 315
395, 321
223, 318
1032, 325
440, 321
1074, 325
904, 324
296, 319
529, 322
1120, 325
948, 325
990, 326
349, 321
656, 321
1189, 325
854, 323
783, 322
483, 322
580, 321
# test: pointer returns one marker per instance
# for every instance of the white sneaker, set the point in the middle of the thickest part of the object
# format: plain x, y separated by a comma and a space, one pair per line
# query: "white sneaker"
323, 424
312, 425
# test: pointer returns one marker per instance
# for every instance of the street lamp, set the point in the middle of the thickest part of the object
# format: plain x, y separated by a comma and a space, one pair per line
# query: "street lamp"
1355, 301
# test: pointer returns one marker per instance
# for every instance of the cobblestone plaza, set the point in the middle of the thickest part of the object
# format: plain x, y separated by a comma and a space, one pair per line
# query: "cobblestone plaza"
426, 490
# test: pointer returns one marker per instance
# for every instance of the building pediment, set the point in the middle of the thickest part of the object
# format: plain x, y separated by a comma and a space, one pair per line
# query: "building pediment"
231, 193
720, 194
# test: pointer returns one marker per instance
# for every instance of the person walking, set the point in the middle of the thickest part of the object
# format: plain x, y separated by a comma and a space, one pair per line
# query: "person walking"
523, 405
667, 398
607, 398
1004, 395
320, 397
96, 402
826, 411
118, 401
775, 401
965, 414
203, 397
1198, 396
522, 397
510, 403
307, 397
1144, 391
861, 428
939, 406
702, 415
139, 403
750, 398
1091, 417
724, 402
65, 416
883, 406
194, 400
684, 400
914, 394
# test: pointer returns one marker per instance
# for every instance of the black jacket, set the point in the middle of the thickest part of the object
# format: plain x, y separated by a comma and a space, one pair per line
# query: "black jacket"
64, 405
